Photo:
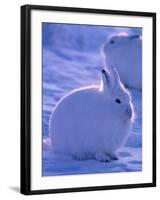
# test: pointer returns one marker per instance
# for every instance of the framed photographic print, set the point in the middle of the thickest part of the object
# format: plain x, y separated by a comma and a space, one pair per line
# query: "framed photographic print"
88, 99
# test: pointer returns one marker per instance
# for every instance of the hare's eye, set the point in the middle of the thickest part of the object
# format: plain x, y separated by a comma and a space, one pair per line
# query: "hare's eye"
112, 41
118, 101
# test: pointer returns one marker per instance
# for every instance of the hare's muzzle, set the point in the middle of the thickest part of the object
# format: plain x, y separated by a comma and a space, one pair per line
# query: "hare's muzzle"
129, 112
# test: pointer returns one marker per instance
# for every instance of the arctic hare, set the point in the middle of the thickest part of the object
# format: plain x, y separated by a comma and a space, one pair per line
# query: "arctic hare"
93, 122
125, 52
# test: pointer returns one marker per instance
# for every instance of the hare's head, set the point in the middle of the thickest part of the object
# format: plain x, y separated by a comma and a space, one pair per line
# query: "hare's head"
116, 95
121, 39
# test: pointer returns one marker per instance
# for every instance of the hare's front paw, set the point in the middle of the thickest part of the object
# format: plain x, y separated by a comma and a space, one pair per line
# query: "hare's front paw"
113, 156
100, 156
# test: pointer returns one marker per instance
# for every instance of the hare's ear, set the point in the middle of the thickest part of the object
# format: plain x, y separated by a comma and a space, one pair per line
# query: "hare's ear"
106, 79
115, 76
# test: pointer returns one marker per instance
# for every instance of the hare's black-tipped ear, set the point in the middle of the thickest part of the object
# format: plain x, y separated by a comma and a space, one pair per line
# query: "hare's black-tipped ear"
106, 78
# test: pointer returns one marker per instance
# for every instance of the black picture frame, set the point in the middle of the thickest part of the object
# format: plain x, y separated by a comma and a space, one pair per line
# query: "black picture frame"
25, 183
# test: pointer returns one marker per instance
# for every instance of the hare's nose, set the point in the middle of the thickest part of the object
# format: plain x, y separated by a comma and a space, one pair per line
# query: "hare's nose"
129, 111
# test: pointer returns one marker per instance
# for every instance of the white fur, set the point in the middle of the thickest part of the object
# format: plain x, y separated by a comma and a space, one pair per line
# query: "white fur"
88, 123
125, 53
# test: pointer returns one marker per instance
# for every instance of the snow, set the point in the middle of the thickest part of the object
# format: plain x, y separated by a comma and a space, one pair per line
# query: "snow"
72, 59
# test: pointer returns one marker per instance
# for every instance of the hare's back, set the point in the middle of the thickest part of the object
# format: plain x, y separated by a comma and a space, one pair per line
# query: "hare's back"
78, 100
70, 113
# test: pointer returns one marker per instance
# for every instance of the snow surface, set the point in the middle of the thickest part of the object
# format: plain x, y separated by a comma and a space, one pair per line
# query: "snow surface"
72, 59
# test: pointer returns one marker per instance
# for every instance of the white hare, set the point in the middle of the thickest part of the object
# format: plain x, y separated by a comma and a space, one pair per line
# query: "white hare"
125, 52
93, 122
